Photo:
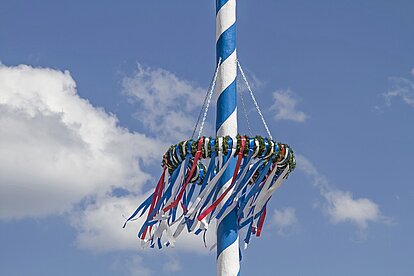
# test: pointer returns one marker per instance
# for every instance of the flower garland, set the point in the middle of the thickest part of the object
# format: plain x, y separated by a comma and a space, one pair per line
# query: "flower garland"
262, 147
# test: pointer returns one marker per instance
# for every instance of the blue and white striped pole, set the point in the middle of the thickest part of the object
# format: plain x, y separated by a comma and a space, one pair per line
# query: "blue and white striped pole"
226, 124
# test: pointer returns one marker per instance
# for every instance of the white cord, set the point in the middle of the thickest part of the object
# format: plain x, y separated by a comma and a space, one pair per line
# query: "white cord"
254, 100
245, 113
210, 94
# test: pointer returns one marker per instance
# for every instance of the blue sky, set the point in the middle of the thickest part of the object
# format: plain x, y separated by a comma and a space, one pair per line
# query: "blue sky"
87, 93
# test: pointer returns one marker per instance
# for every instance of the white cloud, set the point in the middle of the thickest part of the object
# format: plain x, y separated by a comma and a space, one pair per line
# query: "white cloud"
339, 205
342, 207
99, 227
131, 266
134, 265
173, 265
284, 219
284, 105
401, 88
166, 104
56, 148
61, 155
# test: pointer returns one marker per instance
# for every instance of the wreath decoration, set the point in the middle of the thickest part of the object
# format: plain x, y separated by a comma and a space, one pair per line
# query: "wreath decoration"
188, 194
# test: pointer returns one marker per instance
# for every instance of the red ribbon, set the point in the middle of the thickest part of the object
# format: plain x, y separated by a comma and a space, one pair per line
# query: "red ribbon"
223, 195
190, 175
155, 198
261, 221
283, 153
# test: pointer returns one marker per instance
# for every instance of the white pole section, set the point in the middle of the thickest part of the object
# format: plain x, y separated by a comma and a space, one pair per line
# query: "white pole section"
228, 263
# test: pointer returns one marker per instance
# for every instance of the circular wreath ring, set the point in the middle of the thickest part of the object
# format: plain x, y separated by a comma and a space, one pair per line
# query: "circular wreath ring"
258, 147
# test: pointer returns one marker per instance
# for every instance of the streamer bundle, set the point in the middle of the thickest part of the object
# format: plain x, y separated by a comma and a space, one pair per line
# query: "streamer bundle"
188, 196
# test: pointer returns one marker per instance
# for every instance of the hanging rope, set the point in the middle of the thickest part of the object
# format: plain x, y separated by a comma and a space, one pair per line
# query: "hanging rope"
245, 114
254, 99
210, 94
199, 115
207, 100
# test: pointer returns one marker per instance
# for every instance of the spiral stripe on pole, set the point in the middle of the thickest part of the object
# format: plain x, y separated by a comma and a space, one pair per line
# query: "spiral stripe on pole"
226, 124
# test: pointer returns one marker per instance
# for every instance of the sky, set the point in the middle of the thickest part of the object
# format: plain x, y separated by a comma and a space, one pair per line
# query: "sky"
93, 92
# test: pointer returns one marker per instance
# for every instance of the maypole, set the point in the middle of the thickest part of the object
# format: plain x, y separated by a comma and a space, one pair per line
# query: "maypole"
229, 178
226, 124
